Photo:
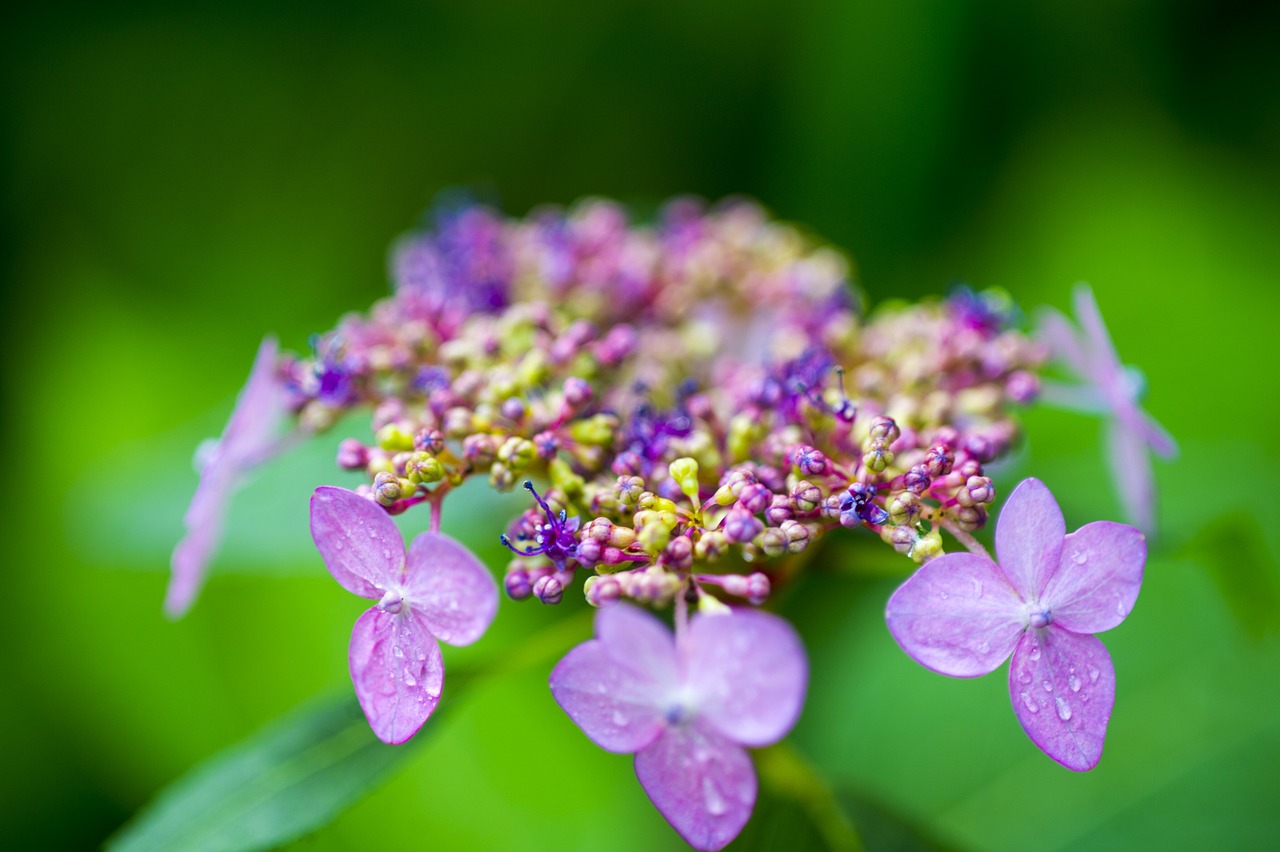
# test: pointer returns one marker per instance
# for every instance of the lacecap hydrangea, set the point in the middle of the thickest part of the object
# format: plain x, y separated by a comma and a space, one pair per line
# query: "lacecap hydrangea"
690, 405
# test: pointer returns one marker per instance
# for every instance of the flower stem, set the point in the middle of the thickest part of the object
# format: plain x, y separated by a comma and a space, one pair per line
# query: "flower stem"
966, 539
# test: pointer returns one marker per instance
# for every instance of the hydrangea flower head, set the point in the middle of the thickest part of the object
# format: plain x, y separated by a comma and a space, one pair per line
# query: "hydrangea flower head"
1113, 389
251, 436
962, 615
686, 707
437, 590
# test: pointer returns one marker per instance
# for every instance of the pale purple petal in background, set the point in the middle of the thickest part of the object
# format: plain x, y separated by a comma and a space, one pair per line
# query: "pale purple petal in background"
958, 615
1063, 340
450, 588
1029, 536
1104, 363
248, 439
360, 544
701, 782
1063, 687
748, 672
397, 671
617, 710
1131, 469
1098, 579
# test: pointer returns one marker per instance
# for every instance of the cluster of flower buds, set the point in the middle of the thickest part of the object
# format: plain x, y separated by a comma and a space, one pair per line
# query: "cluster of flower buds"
703, 397
691, 406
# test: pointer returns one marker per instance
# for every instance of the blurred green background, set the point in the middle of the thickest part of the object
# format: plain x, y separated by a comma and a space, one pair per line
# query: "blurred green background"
180, 180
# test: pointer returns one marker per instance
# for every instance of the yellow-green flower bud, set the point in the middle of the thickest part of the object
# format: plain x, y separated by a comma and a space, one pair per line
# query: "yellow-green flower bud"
653, 537
394, 438
564, 479
685, 472
424, 468
927, 547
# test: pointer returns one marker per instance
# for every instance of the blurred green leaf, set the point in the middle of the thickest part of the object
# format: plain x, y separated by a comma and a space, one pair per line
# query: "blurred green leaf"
1233, 550
289, 779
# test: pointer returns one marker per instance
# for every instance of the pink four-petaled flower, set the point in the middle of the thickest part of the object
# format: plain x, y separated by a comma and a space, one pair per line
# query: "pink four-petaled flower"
962, 615
251, 436
1112, 389
437, 590
686, 708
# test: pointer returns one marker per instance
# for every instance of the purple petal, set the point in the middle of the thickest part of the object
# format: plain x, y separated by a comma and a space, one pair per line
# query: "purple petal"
703, 784
397, 671
1097, 582
957, 615
450, 588
359, 542
1145, 427
617, 710
1083, 398
1105, 367
1029, 536
1063, 687
1131, 470
748, 672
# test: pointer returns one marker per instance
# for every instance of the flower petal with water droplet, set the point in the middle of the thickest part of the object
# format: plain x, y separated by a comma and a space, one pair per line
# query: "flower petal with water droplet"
450, 589
397, 671
1068, 724
1098, 577
360, 544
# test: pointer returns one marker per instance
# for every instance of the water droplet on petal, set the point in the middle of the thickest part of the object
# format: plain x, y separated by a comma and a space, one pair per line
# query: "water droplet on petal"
1048, 687
1120, 610
1026, 677
1074, 683
1094, 674
977, 588
1034, 654
409, 680
1030, 702
1080, 557
943, 595
601, 688
1064, 709
984, 648
619, 718
398, 651
715, 802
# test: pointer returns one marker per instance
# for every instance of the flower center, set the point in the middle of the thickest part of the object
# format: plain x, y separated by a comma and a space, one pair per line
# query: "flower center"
1039, 616
392, 602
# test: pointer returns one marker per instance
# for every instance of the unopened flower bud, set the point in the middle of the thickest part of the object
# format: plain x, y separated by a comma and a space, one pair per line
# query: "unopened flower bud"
808, 460
938, 461
394, 437
577, 392
457, 422
546, 444
970, 518
975, 491
517, 583
628, 490
517, 453
877, 458
602, 590
678, 553
501, 477
653, 537
352, 455
424, 468
779, 510
917, 479
429, 441
755, 497
903, 538
740, 526
479, 449
386, 488
548, 589
797, 535
927, 547
904, 508
805, 497
884, 430
685, 473
772, 542
710, 547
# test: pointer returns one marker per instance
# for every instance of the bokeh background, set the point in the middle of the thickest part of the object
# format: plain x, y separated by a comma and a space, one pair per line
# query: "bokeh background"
179, 179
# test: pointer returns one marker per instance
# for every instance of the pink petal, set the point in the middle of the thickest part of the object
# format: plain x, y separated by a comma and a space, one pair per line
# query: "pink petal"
451, 590
397, 671
703, 784
1105, 369
957, 615
1131, 470
358, 541
748, 674
1145, 426
1098, 579
1029, 536
617, 709
1063, 687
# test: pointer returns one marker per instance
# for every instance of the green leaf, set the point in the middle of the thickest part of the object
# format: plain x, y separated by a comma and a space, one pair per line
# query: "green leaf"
291, 778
